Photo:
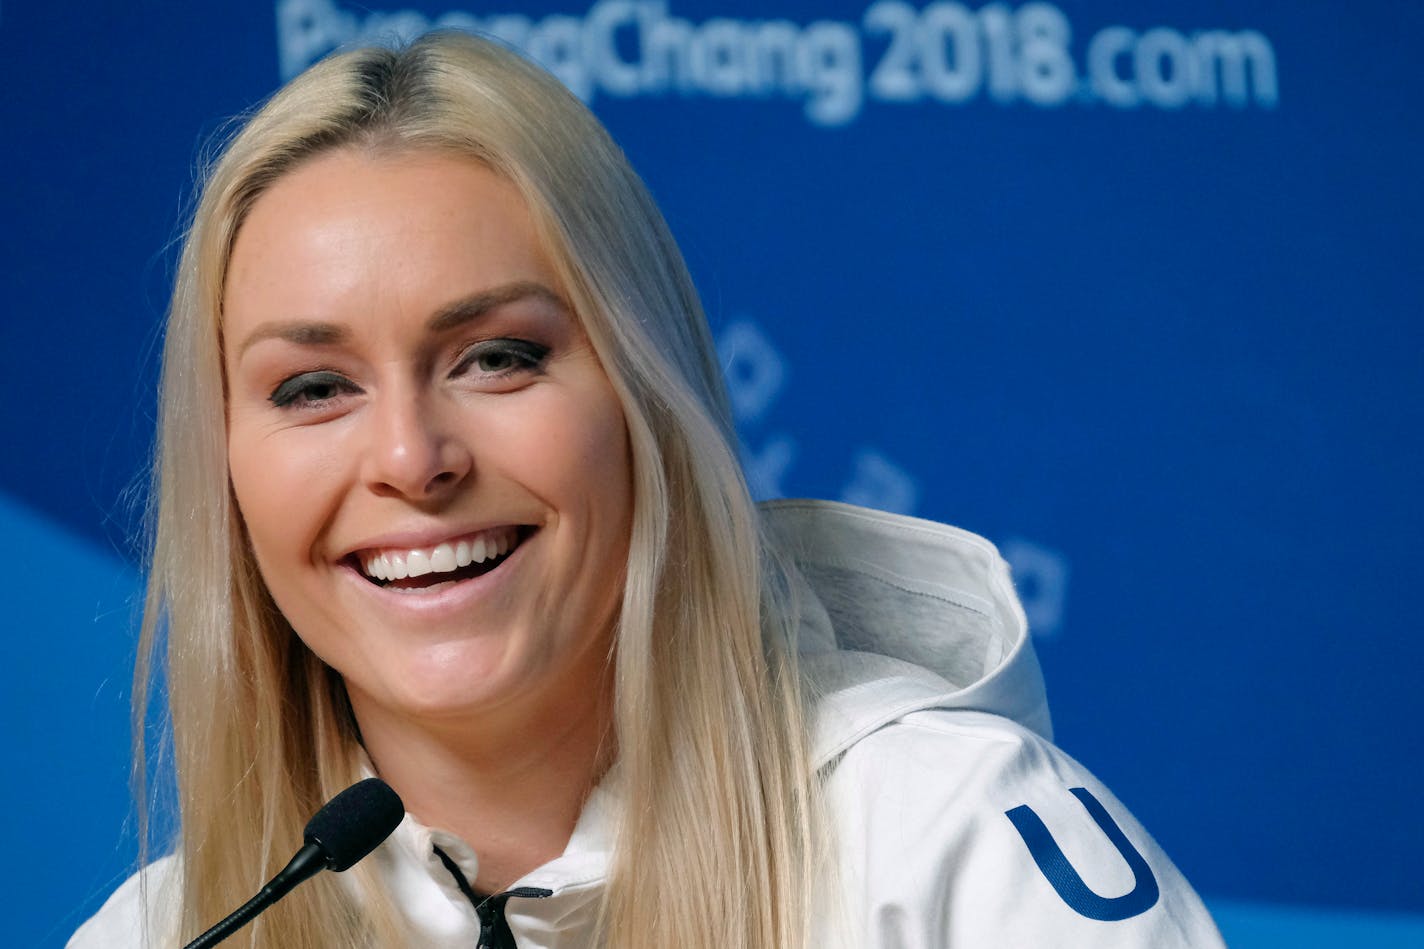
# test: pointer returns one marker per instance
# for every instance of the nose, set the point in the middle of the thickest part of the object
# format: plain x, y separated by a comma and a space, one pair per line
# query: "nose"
414, 451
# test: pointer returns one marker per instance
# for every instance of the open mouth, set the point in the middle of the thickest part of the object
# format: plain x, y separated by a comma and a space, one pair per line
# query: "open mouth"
444, 564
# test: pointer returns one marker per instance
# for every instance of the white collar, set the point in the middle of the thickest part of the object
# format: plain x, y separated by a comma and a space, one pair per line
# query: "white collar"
440, 914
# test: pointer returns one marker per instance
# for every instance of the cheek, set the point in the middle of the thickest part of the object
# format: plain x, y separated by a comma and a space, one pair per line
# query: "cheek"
255, 494
595, 487
281, 485
575, 456
595, 457
604, 456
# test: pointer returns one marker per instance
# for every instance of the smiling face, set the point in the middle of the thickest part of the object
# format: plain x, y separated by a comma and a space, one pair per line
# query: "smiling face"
430, 462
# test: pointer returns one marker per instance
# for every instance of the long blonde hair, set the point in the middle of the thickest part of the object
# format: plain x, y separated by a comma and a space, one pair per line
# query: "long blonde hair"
719, 799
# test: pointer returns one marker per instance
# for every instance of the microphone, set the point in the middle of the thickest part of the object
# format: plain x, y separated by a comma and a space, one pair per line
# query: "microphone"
348, 827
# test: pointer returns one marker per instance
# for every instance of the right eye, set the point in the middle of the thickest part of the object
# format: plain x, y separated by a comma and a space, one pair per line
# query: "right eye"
311, 389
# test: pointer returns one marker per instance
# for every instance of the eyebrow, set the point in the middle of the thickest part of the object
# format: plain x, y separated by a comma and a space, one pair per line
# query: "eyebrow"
478, 304
448, 317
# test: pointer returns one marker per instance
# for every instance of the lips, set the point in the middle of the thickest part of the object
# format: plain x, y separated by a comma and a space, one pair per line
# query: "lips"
452, 560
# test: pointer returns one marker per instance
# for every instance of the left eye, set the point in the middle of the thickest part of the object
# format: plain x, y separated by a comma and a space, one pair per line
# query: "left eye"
311, 388
502, 357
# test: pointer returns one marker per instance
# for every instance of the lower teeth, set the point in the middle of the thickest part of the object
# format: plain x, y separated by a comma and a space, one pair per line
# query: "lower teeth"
420, 589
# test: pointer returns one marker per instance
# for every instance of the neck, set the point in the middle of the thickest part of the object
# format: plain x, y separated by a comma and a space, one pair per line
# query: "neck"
512, 788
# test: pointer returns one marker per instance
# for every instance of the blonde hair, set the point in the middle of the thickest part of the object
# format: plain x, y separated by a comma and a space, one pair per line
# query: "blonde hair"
718, 793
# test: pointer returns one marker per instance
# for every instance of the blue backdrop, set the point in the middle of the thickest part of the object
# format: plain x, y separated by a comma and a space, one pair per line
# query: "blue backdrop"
1131, 288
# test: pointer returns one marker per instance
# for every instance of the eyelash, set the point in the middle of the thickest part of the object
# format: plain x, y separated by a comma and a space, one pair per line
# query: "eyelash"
527, 356
301, 390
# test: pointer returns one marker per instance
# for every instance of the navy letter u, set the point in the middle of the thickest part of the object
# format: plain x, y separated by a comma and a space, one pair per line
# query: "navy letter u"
1070, 886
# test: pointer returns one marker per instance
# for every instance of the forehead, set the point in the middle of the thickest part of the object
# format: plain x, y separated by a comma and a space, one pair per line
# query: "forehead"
351, 226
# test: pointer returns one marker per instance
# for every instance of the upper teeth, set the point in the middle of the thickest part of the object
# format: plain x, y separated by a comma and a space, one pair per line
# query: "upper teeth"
442, 558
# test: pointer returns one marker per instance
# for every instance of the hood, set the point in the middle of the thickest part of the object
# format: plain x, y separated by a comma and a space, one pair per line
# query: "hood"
899, 615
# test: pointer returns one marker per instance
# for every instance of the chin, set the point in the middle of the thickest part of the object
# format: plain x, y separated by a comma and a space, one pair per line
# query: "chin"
451, 685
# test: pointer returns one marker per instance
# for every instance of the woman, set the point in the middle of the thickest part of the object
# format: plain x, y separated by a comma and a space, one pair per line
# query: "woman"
447, 492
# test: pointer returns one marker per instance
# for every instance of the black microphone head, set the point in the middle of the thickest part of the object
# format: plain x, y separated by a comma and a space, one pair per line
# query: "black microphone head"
354, 823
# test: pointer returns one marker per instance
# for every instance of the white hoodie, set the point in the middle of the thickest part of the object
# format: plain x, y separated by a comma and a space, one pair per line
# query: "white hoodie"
959, 825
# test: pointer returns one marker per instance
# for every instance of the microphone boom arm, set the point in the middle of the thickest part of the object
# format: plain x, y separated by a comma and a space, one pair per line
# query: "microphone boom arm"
348, 827
308, 862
